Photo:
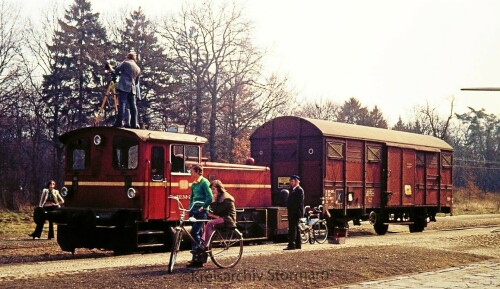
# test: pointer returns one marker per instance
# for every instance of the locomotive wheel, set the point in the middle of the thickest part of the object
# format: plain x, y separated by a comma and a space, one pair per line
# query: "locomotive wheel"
380, 228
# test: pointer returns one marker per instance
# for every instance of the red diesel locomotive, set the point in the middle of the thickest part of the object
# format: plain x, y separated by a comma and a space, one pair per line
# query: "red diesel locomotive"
117, 181
117, 184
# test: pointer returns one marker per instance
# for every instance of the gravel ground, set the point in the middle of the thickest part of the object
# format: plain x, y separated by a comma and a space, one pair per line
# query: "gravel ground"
451, 241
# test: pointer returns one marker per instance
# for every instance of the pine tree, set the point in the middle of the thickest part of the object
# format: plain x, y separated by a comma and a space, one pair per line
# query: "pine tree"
73, 89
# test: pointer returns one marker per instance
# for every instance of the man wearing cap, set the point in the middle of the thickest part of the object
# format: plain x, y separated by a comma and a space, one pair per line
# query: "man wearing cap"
295, 208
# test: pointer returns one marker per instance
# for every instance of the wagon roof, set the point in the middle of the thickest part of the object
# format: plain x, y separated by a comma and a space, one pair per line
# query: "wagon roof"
394, 137
143, 134
351, 131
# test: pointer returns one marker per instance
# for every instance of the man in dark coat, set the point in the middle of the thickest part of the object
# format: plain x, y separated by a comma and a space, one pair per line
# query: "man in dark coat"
295, 206
129, 73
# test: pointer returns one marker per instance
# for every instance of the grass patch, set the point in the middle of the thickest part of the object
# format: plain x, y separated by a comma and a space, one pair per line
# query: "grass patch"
16, 223
473, 202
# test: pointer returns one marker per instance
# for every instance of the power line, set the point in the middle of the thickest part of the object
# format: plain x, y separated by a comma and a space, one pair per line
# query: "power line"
475, 167
477, 161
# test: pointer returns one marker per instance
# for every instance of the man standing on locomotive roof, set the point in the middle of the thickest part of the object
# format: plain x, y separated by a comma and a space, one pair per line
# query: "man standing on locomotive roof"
129, 72
295, 209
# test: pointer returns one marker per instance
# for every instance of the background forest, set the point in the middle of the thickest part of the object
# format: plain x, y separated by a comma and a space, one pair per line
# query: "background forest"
201, 71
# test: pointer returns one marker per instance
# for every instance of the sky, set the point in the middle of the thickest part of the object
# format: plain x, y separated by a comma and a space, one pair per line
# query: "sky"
391, 53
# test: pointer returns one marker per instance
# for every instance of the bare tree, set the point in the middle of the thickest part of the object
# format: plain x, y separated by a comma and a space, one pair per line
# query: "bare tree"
212, 45
327, 110
433, 123
186, 44
15, 112
245, 105
11, 36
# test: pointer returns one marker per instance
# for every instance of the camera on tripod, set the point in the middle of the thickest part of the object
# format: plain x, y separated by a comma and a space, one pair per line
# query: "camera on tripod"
109, 66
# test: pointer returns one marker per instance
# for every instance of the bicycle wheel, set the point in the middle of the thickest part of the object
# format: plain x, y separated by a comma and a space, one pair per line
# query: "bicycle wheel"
225, 247
175, 249
320, 231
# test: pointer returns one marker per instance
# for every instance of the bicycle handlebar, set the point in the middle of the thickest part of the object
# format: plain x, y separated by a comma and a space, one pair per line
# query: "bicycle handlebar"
181, 207
314, 211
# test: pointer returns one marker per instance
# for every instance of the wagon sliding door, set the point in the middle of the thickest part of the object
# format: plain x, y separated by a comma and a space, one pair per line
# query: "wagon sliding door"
432, 178
400, 176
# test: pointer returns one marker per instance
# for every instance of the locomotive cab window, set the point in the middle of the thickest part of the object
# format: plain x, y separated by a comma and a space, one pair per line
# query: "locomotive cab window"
125, 153
78, 154
181, 155
157, 164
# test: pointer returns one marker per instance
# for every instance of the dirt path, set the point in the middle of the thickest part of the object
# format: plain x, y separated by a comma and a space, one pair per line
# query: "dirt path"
363, 257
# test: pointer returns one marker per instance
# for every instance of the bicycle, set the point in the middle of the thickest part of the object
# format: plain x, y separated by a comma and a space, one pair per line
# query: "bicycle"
312, 228
225, 246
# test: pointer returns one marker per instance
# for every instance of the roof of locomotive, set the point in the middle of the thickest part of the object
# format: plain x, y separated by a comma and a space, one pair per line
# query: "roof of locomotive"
143, 134
352, 131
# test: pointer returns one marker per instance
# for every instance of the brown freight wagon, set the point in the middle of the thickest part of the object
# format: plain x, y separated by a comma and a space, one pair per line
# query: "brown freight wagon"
357, 172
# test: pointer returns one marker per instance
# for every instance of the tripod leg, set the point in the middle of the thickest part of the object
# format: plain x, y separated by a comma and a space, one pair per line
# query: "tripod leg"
101, 109
115, 99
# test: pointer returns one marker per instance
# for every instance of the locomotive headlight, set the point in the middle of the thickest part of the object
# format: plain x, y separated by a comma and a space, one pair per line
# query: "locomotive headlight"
97, 140
64, 192
131, 193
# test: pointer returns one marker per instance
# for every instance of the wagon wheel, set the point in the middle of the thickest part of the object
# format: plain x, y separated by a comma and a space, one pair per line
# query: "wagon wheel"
380, 228
377, 222
418, 225
372, 218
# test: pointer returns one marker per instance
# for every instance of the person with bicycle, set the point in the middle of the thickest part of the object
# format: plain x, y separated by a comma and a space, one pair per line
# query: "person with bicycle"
224, 246
295, 209
200, 192
223, 209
